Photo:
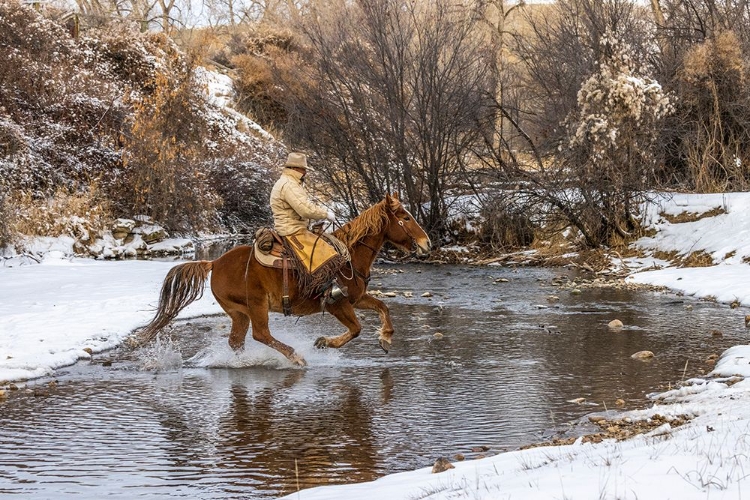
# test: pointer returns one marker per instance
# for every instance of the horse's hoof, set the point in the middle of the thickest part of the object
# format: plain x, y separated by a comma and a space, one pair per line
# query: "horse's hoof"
321, 343
298, 360
385, 345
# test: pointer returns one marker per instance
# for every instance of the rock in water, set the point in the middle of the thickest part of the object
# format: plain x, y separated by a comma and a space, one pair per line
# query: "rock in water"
615, 323
643, 355
442, 464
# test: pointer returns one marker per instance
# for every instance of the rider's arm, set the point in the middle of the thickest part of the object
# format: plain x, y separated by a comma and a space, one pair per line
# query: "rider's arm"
295, 195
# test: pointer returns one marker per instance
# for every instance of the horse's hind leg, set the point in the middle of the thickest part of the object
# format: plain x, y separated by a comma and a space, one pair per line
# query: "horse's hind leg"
240, 324
261, 333
386, 327
344, 312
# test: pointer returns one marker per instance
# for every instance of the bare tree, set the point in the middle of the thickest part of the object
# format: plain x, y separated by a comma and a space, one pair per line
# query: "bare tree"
392, 99
586, 133
559, 50
501, 23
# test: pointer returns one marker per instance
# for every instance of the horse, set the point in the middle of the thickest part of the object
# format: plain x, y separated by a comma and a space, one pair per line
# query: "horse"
248, 291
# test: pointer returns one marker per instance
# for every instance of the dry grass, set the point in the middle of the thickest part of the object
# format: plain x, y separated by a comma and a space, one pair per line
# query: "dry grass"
697, 259
551, 248
630, 251
62, 214
671, 257
691, 216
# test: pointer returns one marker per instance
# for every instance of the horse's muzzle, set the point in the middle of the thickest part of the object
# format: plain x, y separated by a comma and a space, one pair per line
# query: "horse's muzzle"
423, 248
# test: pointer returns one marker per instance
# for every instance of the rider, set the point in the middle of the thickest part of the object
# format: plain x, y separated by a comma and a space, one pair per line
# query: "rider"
292, 207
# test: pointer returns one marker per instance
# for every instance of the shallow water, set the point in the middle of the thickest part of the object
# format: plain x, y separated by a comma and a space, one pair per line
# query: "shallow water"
189, 418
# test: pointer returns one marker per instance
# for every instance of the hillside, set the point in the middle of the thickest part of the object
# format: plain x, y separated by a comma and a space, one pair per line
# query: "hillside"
116, 123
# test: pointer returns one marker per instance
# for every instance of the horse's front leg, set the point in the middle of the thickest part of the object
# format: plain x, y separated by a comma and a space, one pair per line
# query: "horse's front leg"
344, 312
386, 327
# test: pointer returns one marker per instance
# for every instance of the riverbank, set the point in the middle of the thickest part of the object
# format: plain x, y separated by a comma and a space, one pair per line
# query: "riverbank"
703, 458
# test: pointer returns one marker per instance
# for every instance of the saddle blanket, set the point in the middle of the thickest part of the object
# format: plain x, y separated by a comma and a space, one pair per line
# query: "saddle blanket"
311, 249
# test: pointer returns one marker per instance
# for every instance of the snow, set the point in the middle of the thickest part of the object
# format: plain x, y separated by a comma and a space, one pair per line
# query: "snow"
51, 312
220, 91
220, 88
726, 237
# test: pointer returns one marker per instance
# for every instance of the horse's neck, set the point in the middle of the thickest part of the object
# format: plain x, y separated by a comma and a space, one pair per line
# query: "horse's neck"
364, 252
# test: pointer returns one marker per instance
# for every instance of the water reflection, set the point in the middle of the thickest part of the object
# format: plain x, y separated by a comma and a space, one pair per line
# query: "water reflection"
500, 375
291, 440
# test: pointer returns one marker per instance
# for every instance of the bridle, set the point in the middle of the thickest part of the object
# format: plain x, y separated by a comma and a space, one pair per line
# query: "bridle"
403, 227
408, 233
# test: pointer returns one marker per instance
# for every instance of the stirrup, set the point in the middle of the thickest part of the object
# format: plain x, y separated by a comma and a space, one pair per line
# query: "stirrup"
336, 293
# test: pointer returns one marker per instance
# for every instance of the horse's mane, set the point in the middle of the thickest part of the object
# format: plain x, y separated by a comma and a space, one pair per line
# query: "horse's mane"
368, 222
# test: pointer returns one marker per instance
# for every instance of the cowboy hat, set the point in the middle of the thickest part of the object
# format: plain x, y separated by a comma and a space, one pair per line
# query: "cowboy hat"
297, 160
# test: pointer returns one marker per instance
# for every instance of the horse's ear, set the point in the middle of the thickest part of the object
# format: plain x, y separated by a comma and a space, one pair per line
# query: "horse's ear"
392, 201
395, 195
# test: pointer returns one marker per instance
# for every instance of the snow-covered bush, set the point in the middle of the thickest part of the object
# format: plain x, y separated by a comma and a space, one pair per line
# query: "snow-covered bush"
617, 110
610, 149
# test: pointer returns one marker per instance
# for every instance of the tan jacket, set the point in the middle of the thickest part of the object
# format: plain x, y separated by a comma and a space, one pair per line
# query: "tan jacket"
291, 206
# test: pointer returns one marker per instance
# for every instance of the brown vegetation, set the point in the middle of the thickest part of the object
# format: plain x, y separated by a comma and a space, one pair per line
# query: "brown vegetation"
697, 259
115, 123
435, 99
684, 217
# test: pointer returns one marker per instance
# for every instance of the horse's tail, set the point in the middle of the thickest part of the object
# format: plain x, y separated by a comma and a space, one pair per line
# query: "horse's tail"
183, 285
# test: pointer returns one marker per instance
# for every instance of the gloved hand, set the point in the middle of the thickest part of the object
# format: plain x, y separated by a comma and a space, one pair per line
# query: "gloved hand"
331, 216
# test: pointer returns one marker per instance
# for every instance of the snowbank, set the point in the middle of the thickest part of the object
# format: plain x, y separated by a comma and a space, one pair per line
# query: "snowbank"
724, 237
51, 312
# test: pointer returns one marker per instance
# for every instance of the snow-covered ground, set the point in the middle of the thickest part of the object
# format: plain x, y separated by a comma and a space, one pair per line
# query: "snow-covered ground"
725, 237
53, 313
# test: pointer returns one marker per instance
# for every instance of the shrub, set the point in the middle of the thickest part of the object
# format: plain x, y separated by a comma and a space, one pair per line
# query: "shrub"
165, 175
258, 93
244, 186
714, 113
81, 215
505, 227
611, 144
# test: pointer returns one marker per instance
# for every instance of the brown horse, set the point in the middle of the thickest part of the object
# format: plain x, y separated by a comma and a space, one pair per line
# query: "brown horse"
247, 291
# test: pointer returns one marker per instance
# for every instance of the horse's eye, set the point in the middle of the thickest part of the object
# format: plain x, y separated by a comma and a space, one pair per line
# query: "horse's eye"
407, 218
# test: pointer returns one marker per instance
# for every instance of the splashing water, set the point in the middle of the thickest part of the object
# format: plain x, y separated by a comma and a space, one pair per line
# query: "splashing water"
218, 354
161, 355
